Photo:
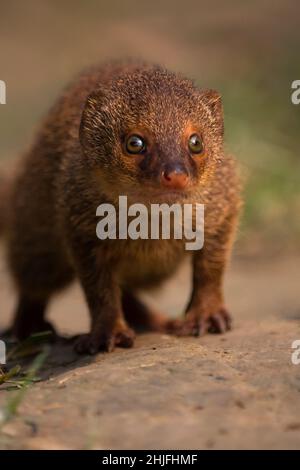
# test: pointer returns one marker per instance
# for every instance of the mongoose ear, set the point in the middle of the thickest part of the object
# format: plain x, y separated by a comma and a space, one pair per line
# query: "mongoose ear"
214, 109
214, 100
91, 113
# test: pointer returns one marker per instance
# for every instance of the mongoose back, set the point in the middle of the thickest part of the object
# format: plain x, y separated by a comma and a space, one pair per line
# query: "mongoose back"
129, 129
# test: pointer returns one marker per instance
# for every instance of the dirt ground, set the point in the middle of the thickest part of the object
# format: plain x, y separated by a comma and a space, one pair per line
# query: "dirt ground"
237, 391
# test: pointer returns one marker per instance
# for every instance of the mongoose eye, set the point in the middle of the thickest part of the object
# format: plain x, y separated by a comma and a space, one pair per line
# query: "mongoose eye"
196, 143
135, 144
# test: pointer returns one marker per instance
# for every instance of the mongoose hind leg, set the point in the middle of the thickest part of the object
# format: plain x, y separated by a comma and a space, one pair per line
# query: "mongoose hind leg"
30, 317
143, 318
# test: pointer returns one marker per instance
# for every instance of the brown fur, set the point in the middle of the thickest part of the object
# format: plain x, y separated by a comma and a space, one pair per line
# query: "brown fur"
78, 161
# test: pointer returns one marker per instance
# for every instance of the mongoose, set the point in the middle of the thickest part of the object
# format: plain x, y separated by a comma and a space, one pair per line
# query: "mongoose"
138, 130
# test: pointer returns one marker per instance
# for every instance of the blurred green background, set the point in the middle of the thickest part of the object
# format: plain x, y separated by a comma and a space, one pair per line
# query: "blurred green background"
248, 50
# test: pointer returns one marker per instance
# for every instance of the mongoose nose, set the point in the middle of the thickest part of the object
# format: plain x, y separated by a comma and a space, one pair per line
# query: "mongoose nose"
174, 178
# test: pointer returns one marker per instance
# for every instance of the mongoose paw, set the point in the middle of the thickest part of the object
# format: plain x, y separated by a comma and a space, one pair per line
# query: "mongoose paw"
91, 343
198, 324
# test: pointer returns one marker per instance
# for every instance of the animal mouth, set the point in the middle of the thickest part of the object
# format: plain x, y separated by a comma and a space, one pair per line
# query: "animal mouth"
163, 197
169, 196
152, 195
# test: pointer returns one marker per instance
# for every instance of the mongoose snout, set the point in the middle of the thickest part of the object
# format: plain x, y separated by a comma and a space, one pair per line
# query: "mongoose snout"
175, 177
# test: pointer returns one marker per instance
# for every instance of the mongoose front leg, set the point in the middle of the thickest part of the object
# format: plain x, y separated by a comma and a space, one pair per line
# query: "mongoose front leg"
108, 325
206, 312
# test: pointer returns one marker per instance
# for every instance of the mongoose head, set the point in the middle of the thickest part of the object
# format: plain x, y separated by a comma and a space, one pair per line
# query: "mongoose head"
151, 134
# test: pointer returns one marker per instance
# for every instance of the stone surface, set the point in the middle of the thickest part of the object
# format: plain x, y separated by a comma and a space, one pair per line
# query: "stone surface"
236, 391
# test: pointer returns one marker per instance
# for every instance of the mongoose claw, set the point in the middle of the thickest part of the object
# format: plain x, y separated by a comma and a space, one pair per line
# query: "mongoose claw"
198, 324
91, 343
